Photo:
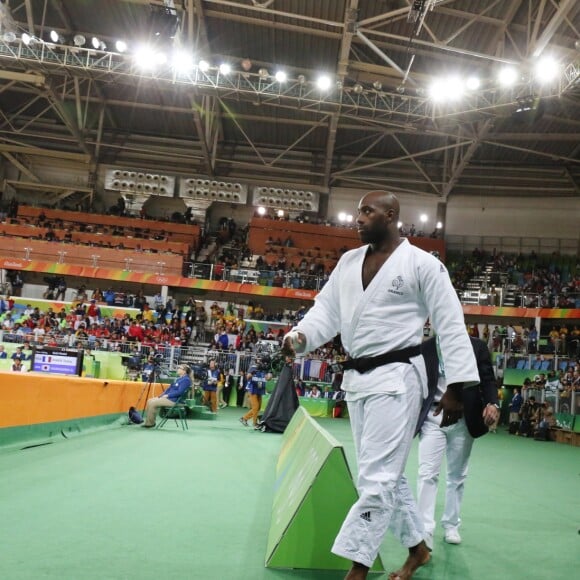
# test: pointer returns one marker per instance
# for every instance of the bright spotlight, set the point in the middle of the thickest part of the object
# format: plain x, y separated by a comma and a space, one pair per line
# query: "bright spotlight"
280, 213
439, 225
324, 83
54, 36
507, 76
203, 65
145, 57
26, 38
447, 89
546, 69
261, 210
399, 224
473, 83
349, 218
225, 68
423, 218
120, 46
160, 58
79, 40
9, 36
182, 62
281, 76
342, 216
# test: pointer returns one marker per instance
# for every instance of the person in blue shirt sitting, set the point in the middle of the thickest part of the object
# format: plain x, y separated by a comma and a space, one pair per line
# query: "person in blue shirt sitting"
169, 397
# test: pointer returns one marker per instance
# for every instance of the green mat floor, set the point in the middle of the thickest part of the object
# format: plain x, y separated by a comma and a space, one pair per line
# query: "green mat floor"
132, 503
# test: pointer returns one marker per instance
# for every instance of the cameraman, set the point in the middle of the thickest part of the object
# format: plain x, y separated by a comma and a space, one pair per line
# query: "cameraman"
209, 386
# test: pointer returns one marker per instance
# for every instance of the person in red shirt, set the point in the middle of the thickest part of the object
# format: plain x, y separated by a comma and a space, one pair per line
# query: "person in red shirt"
135, 332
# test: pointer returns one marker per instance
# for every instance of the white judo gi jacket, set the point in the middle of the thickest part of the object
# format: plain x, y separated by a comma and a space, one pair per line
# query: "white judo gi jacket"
411, 286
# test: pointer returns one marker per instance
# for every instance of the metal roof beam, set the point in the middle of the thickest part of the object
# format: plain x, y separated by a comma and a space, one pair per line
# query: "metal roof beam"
466, 158
561, 14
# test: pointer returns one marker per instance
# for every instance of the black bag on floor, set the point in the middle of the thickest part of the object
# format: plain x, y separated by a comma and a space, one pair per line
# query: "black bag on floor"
135, 416
525, 428
513, 428
542, 434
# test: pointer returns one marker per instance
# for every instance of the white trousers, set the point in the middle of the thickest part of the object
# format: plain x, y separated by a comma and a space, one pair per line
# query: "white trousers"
382, 427
434, 441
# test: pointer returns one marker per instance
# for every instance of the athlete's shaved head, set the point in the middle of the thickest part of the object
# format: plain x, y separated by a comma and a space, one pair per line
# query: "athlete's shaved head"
382, 199
378, 216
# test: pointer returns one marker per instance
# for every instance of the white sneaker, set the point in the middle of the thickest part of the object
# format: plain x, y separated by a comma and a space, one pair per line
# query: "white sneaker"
452, 536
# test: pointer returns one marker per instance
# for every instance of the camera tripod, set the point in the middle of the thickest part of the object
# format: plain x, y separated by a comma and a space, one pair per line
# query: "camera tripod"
148, 386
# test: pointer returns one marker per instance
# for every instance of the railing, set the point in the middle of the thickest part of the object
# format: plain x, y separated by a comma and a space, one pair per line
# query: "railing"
562, 402
274, 278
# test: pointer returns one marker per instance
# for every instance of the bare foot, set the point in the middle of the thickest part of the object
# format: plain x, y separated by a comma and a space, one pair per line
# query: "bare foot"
418, 556
357, 572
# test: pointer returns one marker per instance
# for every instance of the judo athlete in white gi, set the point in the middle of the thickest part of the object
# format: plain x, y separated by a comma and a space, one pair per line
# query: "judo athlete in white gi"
378, 298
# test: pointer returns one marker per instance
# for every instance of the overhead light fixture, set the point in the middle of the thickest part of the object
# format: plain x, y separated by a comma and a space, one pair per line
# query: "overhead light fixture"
323, 82
546, 69
26, 38
349, 218
301, 79
145, 58
447, 89
423, 218
378, 85
225, 68
280, 213
439, 225
281, 76
98, 44
507, 76
246, 64
399, 224
473, 83
121, 46
342, 216
203, 65
182, 62
261, 210
79, 40
263, 73
9, 36
358, 88
56, 37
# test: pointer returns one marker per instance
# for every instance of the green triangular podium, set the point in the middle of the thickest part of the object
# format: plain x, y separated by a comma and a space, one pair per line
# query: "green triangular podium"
314, 491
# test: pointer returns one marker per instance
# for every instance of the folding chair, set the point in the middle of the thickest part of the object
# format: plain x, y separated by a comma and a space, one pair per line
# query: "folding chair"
177, 412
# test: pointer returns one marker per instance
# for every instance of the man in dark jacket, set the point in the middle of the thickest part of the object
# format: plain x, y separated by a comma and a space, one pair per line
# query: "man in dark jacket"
480, 410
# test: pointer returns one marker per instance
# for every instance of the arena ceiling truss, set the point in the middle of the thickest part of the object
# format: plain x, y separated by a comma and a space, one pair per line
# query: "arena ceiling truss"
376, 126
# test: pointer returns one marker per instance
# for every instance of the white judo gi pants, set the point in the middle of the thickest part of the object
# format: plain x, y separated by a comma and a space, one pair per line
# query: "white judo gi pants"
383, 426
434, 441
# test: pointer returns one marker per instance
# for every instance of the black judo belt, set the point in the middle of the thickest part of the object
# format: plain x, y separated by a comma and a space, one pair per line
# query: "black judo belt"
368, 363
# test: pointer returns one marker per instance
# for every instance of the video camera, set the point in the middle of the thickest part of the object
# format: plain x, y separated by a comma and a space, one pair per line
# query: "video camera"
268, 356
199, 371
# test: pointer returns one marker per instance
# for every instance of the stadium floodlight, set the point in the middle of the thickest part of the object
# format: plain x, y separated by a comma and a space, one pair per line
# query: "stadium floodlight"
324, 82
225, 68
26, 38
9, 36
280, 213
121, 46
56, 37
263, 73
358, 88
473, 83
439, 225
79, 40
281, 76
447, 89
182, 62
145, 58
342, 216
507, 76
203, 65
349, 218
423, 218
261, 210
546, 69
